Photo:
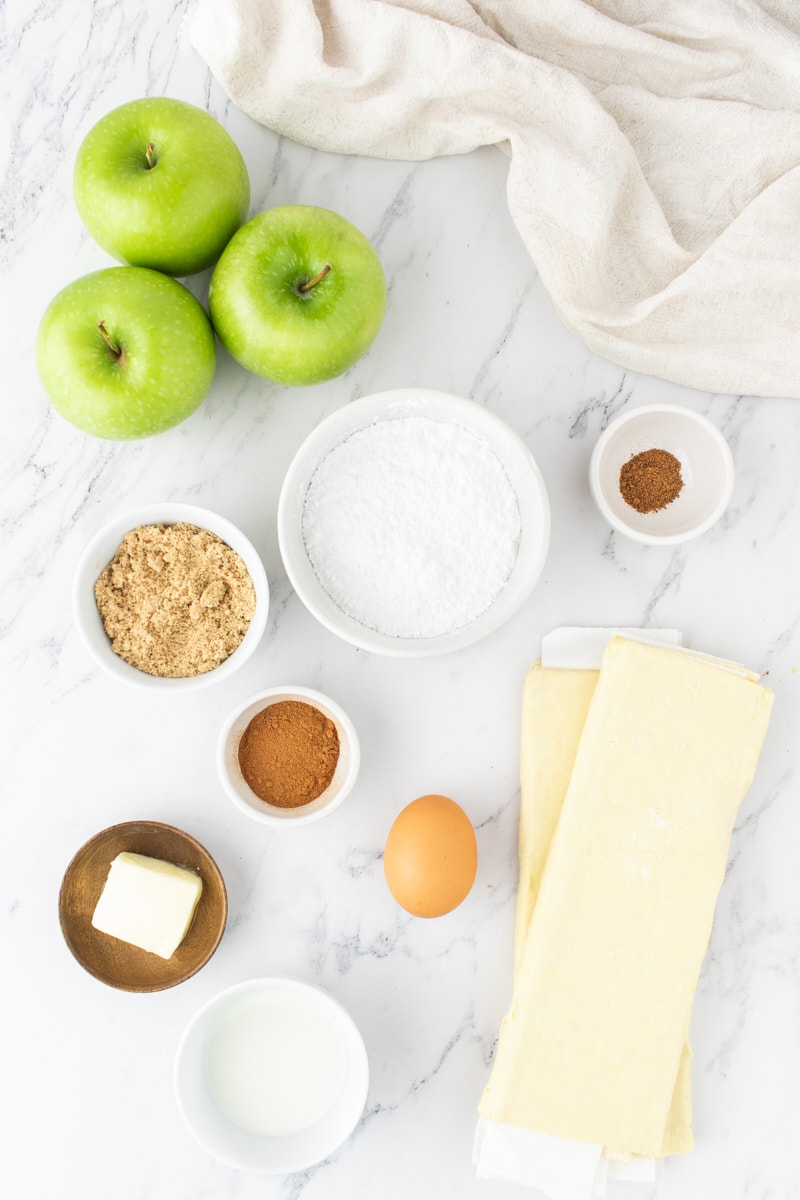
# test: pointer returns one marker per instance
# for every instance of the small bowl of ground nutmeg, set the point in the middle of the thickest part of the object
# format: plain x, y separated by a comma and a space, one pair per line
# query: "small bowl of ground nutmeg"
661, 474
288, 756
170, 597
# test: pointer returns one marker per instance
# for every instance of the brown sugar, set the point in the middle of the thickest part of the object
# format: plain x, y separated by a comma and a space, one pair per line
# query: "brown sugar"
175, 600
288, 753
651, 480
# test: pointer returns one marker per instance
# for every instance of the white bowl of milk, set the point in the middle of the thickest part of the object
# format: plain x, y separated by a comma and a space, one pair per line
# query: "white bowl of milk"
271, 1076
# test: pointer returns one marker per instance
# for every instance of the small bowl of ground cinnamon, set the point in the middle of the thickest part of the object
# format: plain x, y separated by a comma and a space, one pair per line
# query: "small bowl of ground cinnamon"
170, 597
288, 756
661, 474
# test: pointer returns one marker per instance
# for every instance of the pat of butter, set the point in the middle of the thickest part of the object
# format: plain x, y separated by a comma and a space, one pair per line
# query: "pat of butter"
148, 903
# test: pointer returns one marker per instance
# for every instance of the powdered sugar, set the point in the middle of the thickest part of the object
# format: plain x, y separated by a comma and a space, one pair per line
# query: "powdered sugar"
411, 526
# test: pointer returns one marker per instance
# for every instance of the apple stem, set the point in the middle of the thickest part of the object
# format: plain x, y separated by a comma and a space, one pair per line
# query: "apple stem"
303, 288
109, 341
150, 155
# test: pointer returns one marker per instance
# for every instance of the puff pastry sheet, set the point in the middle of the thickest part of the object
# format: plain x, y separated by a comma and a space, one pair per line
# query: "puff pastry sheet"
622, 865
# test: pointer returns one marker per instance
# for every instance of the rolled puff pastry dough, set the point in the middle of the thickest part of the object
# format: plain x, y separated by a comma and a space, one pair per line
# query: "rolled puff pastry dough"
555, 703
593, 1044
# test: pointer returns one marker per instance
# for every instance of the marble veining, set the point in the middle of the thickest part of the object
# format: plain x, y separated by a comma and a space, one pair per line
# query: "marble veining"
88, 1108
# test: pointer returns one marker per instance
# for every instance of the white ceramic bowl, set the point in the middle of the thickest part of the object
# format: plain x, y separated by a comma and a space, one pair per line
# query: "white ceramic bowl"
247, 801
520, 467
198, 1069
706, 469
98, 555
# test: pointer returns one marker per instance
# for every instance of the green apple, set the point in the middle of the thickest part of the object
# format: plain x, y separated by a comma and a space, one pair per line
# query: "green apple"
298, 295
125, 352
159, 183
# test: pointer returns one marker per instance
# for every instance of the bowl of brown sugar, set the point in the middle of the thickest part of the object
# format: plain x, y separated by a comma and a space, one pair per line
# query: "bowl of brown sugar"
170, 597
661, 474
288, 756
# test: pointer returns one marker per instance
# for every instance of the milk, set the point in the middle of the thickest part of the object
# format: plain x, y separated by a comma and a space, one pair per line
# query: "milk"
275, 1065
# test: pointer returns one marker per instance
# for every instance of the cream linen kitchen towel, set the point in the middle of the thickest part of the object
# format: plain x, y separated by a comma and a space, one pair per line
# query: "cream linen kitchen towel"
655, 149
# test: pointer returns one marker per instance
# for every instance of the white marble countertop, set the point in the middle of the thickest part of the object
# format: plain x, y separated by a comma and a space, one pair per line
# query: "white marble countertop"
88, 1107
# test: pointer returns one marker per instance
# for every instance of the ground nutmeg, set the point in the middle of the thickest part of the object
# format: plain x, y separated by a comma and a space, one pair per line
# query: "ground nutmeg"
651, 480
288, 753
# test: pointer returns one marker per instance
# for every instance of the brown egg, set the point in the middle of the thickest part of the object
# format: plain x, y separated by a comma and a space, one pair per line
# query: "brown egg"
431, 856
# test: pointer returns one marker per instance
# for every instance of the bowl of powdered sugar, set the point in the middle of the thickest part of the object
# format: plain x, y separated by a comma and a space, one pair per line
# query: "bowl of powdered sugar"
413, 522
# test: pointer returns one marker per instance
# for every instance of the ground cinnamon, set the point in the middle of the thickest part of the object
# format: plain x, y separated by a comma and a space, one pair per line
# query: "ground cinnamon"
651, 480
288, 753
